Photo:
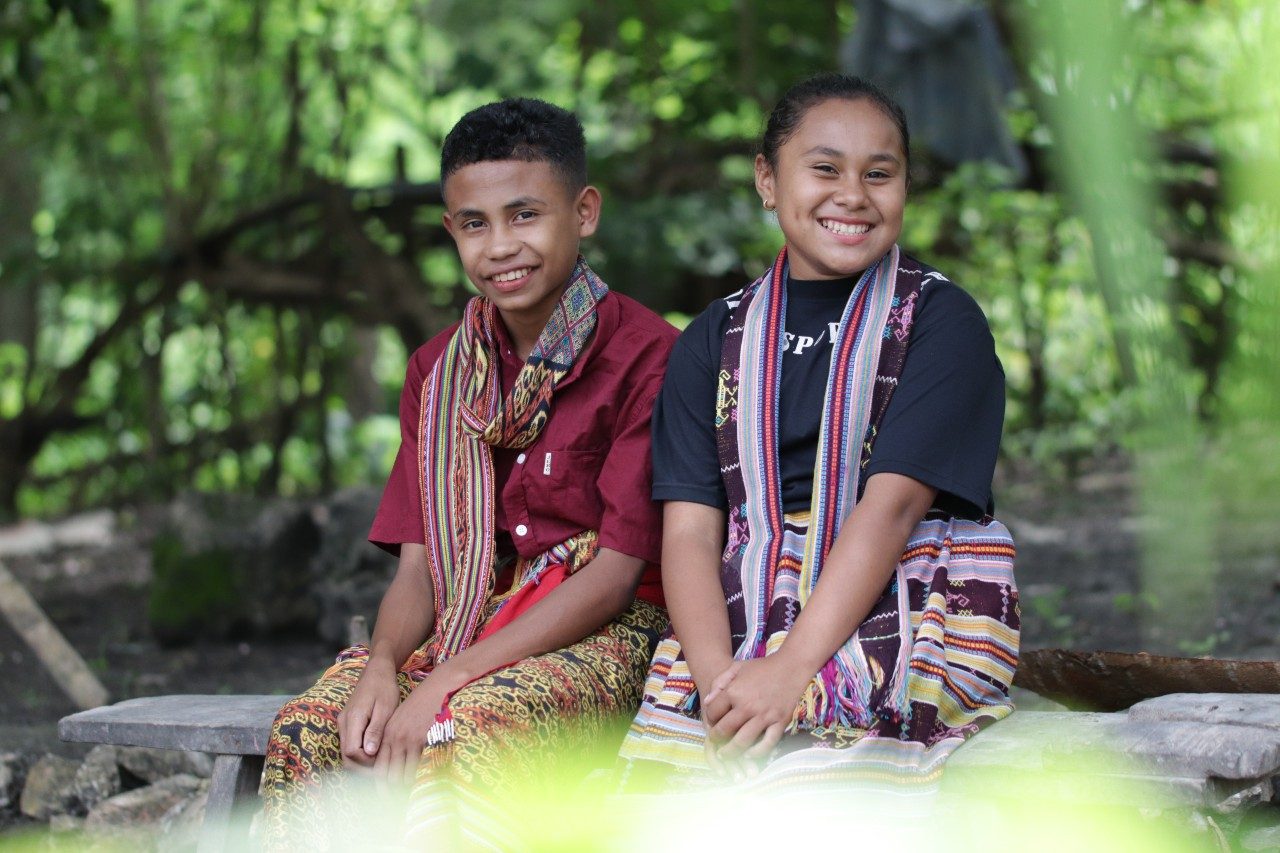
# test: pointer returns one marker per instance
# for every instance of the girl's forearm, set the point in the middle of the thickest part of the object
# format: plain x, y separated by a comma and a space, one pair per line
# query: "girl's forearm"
692, 542
859, 566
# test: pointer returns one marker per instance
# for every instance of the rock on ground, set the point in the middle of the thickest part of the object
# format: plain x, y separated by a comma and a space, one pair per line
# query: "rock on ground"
229, 565
180, 826
144, 806
13, 772
1245, 709
98, 778
152, 765
50, 788
350, 575
1266, 838
62, 823
36, 537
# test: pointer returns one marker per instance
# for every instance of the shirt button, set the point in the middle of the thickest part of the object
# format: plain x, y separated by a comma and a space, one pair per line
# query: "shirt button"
521, 530
520, 459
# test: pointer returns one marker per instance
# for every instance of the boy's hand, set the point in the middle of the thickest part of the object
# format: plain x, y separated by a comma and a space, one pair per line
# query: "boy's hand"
362, 721
756, 706
406, 734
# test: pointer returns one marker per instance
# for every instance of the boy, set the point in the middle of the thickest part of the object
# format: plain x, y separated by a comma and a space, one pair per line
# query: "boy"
518, 504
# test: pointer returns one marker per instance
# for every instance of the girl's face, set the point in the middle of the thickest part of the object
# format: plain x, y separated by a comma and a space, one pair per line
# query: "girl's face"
839, 188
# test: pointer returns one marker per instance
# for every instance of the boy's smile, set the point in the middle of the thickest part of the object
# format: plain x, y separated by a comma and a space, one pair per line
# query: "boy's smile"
517, 227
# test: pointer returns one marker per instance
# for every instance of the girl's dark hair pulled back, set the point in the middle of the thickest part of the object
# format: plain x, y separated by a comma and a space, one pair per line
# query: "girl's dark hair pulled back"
808, 93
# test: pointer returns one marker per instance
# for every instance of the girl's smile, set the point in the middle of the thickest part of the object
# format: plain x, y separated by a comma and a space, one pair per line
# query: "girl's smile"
839, 187
845, 229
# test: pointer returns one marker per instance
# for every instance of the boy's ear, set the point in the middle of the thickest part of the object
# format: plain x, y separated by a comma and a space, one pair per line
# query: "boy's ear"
448, 224
587, 208
764, 182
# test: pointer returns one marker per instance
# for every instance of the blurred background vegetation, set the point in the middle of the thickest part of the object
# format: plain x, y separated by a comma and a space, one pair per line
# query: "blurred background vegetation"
219, 222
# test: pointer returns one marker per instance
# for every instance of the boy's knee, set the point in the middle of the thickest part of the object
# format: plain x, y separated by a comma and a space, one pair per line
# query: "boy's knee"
299, 713
289, 718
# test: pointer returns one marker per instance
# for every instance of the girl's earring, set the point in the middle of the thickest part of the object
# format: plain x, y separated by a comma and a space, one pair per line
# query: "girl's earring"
768, 205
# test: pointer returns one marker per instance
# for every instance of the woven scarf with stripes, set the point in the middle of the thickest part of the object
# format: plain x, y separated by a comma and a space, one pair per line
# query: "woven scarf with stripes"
766, 582
463, 416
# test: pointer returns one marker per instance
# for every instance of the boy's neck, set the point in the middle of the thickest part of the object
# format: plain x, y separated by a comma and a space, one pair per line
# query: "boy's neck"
521, 341
524, 331
524, 327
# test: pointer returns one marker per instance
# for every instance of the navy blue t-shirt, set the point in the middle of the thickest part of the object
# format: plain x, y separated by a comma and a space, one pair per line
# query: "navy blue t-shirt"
942, 426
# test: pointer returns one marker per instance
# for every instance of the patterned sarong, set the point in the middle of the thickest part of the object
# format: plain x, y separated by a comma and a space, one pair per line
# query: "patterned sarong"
508, 726
933, 661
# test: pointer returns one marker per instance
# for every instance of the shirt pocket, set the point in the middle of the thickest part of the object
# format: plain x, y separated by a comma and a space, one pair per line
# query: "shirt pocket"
562, 485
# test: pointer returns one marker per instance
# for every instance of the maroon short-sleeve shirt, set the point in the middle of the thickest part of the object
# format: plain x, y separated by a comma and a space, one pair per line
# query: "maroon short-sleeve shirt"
589, 469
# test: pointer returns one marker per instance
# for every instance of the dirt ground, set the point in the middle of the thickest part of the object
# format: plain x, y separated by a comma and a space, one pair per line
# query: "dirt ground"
1078, 569
1081, 575
97, 597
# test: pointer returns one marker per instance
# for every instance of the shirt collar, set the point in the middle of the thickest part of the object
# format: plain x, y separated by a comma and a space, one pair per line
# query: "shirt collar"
607, 321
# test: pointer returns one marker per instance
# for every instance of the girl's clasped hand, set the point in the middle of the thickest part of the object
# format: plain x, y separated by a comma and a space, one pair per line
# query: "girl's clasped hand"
748, 710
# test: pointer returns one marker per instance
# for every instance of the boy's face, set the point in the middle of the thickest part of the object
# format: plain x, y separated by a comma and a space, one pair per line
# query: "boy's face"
517, 227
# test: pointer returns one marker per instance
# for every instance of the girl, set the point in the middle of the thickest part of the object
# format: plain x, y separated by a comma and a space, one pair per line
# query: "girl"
842, 604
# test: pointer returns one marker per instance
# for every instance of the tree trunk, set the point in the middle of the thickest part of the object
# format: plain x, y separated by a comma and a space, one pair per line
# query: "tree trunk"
12, 469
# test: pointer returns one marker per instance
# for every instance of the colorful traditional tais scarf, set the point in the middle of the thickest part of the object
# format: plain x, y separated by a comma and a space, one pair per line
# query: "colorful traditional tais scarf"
933, 660
463, 417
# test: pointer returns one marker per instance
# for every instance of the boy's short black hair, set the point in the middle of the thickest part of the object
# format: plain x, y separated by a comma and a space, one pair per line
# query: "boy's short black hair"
518, 129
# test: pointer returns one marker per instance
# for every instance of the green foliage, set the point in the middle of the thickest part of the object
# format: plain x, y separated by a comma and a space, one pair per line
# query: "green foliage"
1028, 261
191, 594
133, 366
1048, 609
1186, 308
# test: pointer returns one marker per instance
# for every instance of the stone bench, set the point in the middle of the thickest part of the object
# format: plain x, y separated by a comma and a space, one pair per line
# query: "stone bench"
1214, 751
1219, 752
233, 728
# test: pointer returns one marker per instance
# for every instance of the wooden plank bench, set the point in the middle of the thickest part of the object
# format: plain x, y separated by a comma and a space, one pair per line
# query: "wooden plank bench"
233, 728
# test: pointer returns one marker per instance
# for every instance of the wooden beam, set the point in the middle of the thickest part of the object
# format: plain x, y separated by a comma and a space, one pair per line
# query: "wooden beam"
61, 660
